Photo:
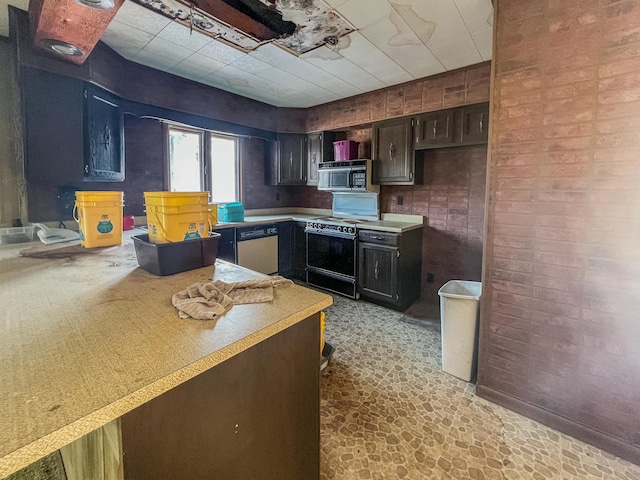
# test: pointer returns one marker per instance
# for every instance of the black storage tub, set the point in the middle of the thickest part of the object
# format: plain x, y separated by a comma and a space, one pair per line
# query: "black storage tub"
176, 257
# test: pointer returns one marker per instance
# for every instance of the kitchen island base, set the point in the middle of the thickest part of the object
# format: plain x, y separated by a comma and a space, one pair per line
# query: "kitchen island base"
257, 415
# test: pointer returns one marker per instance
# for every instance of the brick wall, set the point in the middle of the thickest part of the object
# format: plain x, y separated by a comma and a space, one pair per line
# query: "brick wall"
461, 87
451, 199
560, 329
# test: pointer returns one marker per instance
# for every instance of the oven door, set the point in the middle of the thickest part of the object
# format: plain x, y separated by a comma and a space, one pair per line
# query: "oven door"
332, 252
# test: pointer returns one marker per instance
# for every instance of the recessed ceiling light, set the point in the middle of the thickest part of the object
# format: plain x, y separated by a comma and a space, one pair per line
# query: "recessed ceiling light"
64, 48
101, 4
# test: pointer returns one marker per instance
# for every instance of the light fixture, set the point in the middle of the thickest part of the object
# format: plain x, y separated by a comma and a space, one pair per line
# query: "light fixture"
100, 4
63, 48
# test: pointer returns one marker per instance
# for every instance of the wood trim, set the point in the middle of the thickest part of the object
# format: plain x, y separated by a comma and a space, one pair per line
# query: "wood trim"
562, 424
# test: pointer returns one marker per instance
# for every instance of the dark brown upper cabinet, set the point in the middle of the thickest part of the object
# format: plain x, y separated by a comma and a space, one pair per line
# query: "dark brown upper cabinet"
70, 138
451, 128
435, 129
475, 124
392, 152
103, 136
319, 149
287, 164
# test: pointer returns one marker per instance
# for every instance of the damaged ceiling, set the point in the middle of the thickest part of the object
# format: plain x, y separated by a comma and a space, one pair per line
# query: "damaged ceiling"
298, 25
295, 53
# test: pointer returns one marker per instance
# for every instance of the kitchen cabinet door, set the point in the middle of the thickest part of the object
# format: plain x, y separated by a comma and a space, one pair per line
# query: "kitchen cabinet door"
393, 155
437, 129
378, 276
320, 149
74, 131
227, 244
53, 109
103, 136
475, 124
390, 266
292, 159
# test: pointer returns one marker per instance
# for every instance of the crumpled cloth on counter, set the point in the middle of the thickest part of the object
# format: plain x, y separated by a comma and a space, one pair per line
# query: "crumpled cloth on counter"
207, 301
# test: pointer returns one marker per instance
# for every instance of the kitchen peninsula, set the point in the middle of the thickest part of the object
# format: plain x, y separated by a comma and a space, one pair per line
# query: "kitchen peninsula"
89, 338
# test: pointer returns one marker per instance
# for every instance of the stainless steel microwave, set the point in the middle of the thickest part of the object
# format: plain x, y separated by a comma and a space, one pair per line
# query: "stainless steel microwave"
352, 176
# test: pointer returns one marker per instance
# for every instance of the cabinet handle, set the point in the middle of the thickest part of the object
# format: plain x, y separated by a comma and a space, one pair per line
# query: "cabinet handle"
86, 169
376, 270
291, 159
481, 122
392, 150
435, 128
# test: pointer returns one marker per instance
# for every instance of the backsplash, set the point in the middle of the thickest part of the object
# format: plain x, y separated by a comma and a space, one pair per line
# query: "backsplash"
451, 199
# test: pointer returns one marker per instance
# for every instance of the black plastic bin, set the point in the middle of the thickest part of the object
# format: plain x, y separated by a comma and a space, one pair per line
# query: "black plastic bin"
176, 257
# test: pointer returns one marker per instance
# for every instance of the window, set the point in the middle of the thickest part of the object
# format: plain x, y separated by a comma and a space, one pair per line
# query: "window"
199, 160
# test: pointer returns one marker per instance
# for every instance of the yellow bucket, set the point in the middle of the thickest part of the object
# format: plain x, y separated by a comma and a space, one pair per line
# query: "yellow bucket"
99, 216
177, 216
213, 214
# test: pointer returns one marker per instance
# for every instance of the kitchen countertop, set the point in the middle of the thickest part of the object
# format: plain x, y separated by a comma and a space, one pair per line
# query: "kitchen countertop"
389, 222
90, 336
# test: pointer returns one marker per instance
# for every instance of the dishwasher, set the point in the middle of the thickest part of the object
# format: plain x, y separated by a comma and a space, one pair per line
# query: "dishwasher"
257, 248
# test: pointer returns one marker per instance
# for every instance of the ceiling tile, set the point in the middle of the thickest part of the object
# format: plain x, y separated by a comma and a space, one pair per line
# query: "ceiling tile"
221, 52
340, 67
202, 62
141, 18
484, 41
457, 54
477, 14
160, 46
363, 53
281, 77
250, 64
397, 41
188, 71
271, 53
155, 60
122, 37
362, 13
185, 37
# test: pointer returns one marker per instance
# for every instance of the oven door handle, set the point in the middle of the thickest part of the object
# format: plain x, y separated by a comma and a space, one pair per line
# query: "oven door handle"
347, 236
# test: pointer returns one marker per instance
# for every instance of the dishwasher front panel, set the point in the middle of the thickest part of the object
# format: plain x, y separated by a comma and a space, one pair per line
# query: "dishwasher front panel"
259, 254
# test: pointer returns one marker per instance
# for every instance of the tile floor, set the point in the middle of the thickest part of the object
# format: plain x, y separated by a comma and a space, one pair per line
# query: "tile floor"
389, 412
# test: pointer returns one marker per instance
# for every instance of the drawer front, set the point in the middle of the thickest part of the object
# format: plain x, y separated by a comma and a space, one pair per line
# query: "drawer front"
380, 238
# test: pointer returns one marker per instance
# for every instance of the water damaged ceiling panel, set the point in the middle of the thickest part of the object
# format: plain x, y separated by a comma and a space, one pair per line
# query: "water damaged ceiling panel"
298, 25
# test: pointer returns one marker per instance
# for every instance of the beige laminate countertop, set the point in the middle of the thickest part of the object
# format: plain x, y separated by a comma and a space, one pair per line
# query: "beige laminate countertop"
394, 223
90, 336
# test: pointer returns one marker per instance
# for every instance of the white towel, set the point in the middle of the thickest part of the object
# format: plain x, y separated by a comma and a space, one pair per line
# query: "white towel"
207, 301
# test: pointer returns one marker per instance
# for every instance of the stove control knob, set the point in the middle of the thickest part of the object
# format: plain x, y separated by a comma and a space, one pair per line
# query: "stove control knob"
352, 229
339, 228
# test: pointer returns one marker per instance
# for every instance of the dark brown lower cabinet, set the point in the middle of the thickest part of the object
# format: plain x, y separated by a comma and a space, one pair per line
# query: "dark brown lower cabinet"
390, 267
254, 416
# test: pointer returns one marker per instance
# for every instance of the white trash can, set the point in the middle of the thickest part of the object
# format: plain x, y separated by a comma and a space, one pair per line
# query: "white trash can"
459, 306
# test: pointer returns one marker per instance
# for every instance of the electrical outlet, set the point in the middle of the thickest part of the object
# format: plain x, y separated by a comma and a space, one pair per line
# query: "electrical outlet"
430, 277
400, 200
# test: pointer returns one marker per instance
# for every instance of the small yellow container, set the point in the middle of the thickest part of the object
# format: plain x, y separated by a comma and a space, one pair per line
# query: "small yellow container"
99, 216
213, 214
177, 216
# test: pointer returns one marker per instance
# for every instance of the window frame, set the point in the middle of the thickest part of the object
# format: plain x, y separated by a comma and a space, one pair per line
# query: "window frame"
205, 152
